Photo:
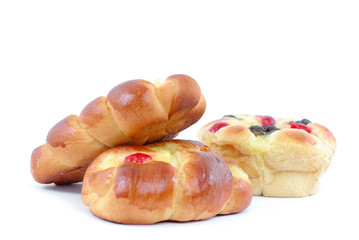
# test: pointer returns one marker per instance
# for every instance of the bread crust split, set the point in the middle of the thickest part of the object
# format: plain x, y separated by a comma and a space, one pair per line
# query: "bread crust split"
183, 181
287, 162
134, 112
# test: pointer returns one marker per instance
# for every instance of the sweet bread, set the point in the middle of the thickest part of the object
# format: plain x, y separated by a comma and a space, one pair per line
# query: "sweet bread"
173, 180
134, 112
283, 157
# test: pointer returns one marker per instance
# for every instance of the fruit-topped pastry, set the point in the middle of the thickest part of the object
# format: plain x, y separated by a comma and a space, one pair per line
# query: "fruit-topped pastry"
174, 180
282, 157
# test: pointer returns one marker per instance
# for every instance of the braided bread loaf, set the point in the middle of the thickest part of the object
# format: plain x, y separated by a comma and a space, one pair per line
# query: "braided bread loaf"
283, 157
173, 180
134, 112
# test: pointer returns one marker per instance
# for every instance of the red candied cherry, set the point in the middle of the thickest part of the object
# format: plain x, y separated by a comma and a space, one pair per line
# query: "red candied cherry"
300, 126
137, 158
266, 120
215, 127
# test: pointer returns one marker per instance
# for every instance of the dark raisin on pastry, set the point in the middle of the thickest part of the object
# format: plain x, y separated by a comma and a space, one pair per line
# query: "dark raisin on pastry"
229, 116
263, 130
303, 121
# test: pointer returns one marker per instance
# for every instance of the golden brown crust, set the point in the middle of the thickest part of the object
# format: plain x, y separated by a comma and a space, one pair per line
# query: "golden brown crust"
184, 98
67, 153
207, 187
241, 191
97, 120
149, 186
284, 163
183, 181
134, 112
69, 142
135, 106
47, 172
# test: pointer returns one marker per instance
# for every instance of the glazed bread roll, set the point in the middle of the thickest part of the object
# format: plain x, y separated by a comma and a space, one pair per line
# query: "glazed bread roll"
283, 158
134, 112
172, 180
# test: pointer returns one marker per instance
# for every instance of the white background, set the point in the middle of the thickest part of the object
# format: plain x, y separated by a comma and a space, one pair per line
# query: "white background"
297, 59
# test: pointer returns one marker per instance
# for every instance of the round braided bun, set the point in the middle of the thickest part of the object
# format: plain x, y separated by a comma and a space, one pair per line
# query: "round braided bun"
134, 112
172, 180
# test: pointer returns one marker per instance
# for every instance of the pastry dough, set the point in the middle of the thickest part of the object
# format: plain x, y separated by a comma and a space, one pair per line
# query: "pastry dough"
284, 159
134, 112
172, 180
